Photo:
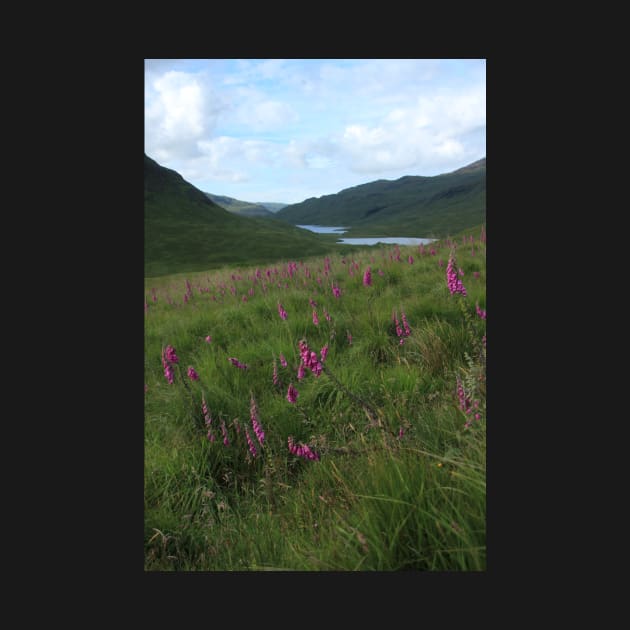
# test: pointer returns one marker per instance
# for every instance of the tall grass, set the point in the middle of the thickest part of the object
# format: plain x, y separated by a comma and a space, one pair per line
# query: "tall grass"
400, 479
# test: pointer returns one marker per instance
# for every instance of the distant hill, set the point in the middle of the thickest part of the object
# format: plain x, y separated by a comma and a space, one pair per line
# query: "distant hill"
185, 231
274, 207
244, 208
412, 205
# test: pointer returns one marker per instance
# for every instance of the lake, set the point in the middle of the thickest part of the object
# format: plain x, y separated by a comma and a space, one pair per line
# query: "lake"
389, 240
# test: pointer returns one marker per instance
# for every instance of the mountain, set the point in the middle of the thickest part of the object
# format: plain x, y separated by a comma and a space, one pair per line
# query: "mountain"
244, 208
413, 205
273, 206
185, 231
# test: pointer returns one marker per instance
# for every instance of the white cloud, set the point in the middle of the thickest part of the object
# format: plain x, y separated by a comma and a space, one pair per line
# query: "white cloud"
426, 134
180, 110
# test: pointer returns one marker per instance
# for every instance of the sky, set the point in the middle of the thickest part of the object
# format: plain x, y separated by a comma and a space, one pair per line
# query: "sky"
285, 130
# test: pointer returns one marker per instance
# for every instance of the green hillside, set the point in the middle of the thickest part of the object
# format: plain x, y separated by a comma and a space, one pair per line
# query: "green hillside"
412, 205
185, 231
244, 208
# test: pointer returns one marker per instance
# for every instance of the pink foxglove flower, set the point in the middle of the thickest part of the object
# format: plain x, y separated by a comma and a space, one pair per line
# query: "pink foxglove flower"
171, 357
252, 448
454, 283
208, 339
192, 374
226, 442
367, 277
276, 379
302, 450
258, 430
292, 394
281, 311
323, 353
410, 259
480, 311
315, 318
237, 363
283, 361
206, 413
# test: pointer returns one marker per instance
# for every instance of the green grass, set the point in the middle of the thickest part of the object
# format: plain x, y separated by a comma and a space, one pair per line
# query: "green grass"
374, 501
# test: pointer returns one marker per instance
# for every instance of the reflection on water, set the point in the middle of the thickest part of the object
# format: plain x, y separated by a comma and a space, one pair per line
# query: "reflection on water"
388, 240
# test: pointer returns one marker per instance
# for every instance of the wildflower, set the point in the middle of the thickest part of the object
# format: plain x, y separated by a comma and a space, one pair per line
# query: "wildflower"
480, 311
315, 318
336, 291
292, 394
226, 442
258, 430
211, 436
281, 311
303, 450
168, 369
301, 373
237, 363
283, 361
252, 448
324, 352
476, 274
206, 413
276, 379
208, 339
192, 374
309, 359
410, 259
405, 324
367, 277
400, 433
440, 263
460, 271
464, 400
327, 315
477, 416
349, 336
454, 283
171, 357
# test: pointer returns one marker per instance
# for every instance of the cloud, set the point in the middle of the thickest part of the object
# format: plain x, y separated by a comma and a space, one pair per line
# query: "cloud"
180, 110
436, 130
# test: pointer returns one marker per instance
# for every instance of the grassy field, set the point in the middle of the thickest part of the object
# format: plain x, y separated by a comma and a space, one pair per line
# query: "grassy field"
371, 457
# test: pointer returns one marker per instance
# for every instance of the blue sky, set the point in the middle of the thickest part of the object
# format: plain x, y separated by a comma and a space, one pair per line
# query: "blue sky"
285, 130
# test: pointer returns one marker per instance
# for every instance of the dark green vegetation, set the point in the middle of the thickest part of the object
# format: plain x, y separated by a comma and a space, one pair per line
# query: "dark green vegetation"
244, 208
400, 484
427, 207
185, 231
